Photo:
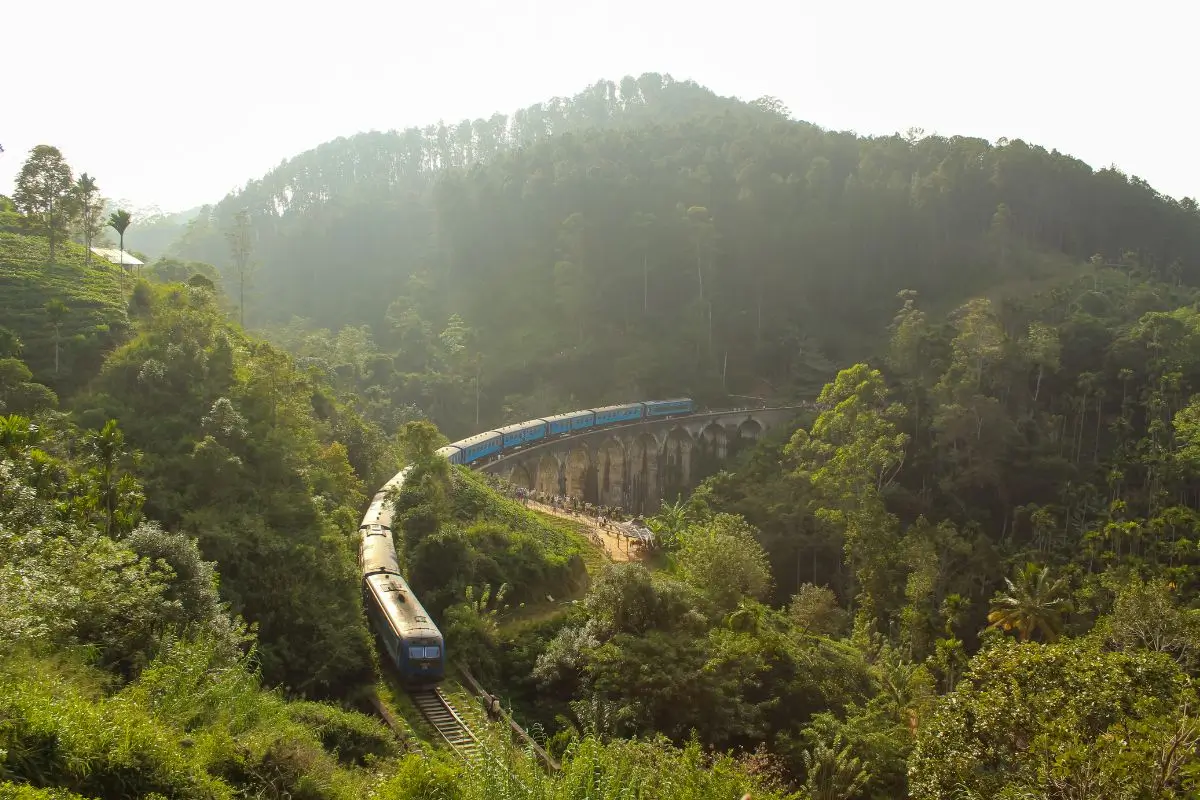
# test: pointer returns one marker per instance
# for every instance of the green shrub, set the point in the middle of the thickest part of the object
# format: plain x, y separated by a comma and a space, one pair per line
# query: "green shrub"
15, 791
353, 738
54, 734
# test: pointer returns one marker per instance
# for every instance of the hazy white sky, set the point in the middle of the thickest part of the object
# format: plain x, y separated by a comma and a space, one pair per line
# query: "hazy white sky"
175, 104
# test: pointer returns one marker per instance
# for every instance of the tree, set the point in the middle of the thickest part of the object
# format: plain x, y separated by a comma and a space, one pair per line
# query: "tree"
240, 250
43, 191
1043, 350
10, 344
116, 492
119, 221
723, 561
88, 205
853, 452
1064, 720
815, 610
56, 311
1032, 604
772, 105
1145, 615
832, 772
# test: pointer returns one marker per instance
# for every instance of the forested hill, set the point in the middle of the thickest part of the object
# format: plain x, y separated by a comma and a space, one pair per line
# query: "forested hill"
648, 236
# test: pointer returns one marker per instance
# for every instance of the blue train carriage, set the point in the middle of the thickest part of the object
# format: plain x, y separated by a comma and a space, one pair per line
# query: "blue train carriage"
624, 413
562, 424
522, 433
669, 408
413, 643
380, 510
451, 453
478, 447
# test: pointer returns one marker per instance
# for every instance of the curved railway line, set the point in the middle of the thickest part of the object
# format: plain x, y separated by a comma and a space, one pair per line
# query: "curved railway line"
412, 643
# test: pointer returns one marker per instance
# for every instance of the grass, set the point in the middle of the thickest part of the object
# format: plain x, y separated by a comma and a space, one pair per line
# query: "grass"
474, 500
96, 298
393, 696
594, 555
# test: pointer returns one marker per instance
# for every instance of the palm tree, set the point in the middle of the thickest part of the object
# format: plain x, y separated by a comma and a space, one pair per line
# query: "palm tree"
56, 310
1032, 604
119, 221
833, 773
669, 523
85, 190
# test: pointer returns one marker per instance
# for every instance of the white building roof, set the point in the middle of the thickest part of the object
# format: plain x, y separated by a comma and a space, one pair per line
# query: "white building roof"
117, 256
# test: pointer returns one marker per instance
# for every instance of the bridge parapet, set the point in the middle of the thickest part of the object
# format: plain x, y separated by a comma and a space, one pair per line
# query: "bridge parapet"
634, 465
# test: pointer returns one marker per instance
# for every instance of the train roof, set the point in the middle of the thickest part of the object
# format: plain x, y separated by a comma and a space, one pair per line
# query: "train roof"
520, 426
396, 480
476, 439
672, 400
376, 553
401, 607
615, 408
568, 415
448, 450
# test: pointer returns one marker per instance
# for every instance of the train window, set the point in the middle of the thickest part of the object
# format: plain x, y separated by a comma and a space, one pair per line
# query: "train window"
424, 652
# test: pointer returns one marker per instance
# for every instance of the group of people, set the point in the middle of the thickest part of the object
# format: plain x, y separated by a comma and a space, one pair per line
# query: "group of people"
607, 517
604, 515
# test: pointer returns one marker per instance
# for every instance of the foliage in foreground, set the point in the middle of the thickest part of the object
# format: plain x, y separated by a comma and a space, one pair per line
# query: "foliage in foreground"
591, 770
249, 455
194, 724
1062, 720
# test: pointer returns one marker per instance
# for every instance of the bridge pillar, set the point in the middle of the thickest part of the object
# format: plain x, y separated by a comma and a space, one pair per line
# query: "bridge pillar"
678, 453
612, 473
580, 472
549, 475
644, 489
520, 475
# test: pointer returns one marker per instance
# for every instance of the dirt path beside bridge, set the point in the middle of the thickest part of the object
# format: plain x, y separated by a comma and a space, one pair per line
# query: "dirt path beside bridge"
618, 548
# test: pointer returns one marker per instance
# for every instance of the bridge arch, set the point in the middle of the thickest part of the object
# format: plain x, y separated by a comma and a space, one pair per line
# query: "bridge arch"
580, 473
549, 475
750, 429
677, 467
716, 440
644, 497
519, 476
612, 473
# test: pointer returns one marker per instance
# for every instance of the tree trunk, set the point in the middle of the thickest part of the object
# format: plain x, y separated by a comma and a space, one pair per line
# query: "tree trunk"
50, 231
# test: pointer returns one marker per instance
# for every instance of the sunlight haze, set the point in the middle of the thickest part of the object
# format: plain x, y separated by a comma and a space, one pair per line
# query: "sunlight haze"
176, 108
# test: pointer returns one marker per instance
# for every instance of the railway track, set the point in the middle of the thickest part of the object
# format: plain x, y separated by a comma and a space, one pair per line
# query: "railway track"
434, 706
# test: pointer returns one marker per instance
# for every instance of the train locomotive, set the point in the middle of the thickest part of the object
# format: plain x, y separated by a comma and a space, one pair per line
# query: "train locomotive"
412, 641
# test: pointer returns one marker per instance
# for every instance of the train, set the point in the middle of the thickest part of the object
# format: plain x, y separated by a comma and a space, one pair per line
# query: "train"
412, 641
489, 445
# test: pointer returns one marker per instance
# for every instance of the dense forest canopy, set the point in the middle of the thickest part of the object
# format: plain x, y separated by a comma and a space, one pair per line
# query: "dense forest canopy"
648, 236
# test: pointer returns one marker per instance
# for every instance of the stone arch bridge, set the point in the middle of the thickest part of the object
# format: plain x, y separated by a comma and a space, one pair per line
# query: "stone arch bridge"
636, 465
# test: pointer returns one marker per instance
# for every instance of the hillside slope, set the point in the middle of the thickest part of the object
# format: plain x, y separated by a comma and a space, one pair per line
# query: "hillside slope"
649, 237
95, 297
